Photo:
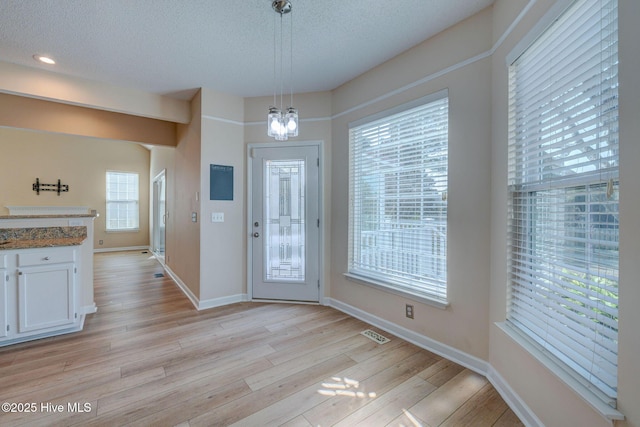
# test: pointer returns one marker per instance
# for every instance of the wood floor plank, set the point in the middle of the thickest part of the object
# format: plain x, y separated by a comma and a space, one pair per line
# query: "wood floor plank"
247, 405
282, 370
147, 357
482, 410
365, 391
389, 406
439, 405
508, 419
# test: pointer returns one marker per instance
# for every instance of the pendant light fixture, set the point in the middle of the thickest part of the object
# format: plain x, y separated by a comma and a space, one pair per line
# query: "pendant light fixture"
281, 123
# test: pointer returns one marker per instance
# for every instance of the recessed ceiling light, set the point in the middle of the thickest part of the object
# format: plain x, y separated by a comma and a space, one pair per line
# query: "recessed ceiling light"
44, 59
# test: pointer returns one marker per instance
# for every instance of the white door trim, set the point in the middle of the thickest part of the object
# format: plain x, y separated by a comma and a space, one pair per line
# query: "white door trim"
249, 226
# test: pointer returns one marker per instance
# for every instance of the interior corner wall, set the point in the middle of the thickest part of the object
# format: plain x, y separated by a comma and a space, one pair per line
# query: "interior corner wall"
79, 162
552, 401
183, 238
223, 244
458, 60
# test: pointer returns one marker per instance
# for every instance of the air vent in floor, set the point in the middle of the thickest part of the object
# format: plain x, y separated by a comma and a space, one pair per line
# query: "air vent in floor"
375, 336
158, 275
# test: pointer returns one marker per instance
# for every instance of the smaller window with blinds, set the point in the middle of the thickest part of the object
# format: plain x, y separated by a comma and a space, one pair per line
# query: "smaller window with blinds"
398, 182
563, 195
122, 201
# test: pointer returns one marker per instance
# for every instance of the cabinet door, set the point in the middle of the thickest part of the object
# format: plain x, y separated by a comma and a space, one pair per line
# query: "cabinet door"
4, 308
45, 297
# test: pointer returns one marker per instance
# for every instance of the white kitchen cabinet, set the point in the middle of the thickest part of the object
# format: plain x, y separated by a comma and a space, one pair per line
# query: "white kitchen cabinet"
40, 293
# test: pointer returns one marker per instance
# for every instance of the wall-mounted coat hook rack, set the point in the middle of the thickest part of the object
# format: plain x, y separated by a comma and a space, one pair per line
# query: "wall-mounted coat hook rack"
58, 188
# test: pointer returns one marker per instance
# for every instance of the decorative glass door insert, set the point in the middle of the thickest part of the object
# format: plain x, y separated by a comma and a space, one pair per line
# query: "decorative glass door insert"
284, 204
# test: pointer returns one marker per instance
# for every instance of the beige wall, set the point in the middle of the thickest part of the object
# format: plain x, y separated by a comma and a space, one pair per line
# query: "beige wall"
549, 398
79, 162
47, 116
464, 324
183, 241
223, 259
41, 84
629, 339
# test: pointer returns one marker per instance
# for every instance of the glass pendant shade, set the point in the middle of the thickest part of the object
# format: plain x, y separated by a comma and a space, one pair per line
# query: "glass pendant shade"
291, 120
274, 119
281, 132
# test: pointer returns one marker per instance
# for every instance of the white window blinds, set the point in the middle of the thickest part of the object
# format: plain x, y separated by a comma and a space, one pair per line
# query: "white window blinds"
563, 185
122, 201
398, 198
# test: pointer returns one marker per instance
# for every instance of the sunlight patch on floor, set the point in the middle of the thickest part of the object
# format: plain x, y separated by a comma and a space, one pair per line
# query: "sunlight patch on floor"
344, 387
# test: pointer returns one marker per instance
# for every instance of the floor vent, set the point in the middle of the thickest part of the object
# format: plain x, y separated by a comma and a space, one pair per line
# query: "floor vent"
375, 336
158, 275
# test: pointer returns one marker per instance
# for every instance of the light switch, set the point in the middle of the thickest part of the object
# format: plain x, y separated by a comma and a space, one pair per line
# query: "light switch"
217, 216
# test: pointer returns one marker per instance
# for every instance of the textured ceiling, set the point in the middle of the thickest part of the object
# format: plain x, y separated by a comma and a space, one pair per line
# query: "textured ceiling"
173, 47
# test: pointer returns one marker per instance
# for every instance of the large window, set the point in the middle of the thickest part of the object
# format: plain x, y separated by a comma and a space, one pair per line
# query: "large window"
563, 186
122, 201
398, 198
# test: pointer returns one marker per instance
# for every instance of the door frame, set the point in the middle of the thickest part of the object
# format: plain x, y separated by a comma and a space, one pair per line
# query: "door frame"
161, 174
249, 225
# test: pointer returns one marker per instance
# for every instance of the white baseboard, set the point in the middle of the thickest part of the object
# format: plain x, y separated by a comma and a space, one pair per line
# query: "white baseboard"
205, 304
88, 309
218, 302
183, 287
460, 357
514, 402
122, 249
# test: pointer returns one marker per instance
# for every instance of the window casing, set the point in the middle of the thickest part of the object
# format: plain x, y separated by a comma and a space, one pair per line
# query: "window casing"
122, 201
563, 194
398, 185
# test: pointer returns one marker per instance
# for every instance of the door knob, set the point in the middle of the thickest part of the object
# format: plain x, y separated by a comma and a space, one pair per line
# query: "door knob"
256, 234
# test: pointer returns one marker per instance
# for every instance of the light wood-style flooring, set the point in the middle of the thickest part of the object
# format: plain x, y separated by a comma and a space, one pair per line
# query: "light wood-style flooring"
148, 358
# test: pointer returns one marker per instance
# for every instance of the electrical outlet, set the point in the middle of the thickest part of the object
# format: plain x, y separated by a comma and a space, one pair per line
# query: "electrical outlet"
408, 311
100, 242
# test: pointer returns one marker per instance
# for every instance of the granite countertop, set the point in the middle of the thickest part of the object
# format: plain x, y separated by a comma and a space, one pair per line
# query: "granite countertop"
41, 237
48, 216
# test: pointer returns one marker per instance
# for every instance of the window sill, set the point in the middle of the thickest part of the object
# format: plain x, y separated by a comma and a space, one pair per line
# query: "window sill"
606, 411
422, 298
125, 230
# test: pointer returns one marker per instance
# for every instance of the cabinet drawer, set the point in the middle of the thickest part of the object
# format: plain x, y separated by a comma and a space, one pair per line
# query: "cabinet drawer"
51, 256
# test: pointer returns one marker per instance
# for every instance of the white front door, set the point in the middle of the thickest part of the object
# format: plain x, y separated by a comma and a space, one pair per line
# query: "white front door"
285, 223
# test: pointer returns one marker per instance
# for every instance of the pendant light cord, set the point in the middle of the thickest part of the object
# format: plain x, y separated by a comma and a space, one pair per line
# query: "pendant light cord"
281, 63
274, 61
291, 57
